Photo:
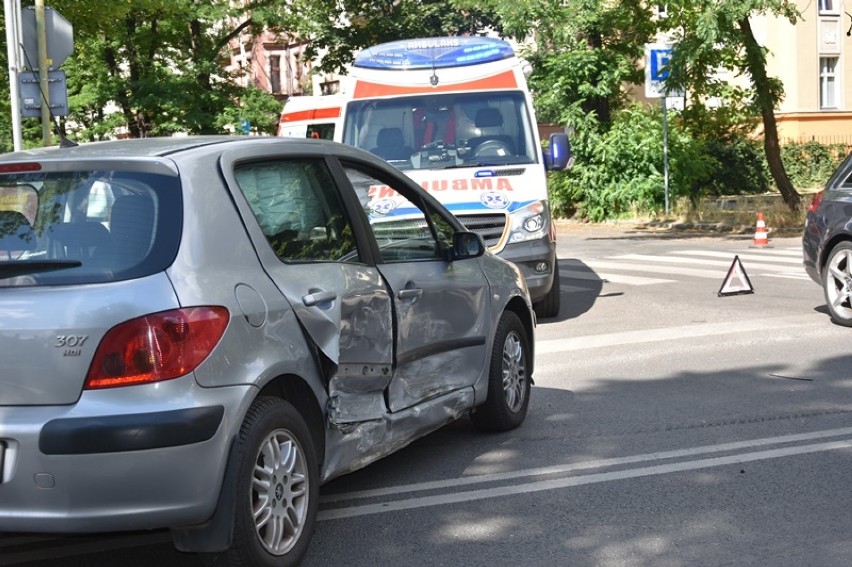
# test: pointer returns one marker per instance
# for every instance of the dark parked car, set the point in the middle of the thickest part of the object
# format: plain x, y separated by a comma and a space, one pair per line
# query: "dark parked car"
198, 332
827, 242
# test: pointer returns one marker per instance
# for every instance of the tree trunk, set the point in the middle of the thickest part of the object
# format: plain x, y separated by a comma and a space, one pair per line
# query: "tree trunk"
767, 97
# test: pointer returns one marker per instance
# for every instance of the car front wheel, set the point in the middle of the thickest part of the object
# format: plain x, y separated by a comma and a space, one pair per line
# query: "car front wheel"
509, 379
837, 283
278, 487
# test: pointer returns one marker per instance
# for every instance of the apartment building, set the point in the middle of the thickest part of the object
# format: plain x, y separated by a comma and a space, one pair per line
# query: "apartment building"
812, 60
271, 62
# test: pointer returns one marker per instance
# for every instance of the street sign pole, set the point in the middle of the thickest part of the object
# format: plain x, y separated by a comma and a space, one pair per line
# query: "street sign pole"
657, 57
12, 18
41, 33
665, 152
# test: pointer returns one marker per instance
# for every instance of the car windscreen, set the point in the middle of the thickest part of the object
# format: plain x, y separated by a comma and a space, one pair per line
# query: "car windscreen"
87, 226
444, 130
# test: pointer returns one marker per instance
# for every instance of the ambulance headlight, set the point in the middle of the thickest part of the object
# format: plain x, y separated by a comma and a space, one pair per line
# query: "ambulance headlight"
529, 223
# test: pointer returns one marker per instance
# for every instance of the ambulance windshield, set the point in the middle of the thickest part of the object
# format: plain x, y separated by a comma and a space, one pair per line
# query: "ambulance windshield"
438, 131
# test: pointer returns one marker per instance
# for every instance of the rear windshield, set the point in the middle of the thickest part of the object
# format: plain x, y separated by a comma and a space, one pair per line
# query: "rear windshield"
86, 226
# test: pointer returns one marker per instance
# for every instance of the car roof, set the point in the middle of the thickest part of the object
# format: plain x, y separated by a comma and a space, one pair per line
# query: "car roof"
162, 147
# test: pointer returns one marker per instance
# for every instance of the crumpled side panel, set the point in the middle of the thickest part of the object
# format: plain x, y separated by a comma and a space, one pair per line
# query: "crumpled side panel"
354, 446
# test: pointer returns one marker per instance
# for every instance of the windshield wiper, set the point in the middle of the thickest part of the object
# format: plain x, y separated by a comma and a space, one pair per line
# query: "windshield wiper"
23, 267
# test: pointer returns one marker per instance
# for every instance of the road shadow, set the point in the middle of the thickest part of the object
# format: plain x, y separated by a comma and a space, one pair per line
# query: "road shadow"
580, 286
687, 409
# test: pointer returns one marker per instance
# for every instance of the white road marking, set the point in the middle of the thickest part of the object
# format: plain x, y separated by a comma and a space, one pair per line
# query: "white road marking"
657, 269
580, 480
612, 277
701, 261
671, 333
785, 258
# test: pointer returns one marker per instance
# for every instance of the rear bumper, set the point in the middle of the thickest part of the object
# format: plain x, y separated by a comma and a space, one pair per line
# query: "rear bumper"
131, 458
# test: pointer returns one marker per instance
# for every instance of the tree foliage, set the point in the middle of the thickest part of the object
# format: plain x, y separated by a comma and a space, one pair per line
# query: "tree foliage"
583, 53
717, 34
338, 29
154, 67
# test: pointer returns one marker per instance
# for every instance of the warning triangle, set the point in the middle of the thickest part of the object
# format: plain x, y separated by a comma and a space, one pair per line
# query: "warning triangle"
736, 282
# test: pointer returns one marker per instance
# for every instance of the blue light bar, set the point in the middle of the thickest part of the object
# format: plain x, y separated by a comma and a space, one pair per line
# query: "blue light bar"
433, 53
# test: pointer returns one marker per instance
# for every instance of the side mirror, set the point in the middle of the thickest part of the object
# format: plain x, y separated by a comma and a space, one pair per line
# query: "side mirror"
558, 155
466, 245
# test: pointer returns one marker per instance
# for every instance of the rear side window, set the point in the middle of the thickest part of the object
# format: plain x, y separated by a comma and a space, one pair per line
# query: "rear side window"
299, 209
87, 226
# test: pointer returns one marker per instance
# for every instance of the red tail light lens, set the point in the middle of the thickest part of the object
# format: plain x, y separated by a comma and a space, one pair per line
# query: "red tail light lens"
156, 347
24, 167
817, 199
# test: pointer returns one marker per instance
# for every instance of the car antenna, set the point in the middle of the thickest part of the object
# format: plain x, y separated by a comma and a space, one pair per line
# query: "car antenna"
63, 141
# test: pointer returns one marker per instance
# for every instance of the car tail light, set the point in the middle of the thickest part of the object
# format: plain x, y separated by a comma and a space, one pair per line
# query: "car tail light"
817, 199
156, 347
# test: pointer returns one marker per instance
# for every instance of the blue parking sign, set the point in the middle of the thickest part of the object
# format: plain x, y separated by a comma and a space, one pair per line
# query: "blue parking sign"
658, 56
660, 64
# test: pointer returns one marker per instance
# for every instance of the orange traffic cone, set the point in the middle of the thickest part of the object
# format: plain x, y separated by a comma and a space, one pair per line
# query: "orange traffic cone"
761, 238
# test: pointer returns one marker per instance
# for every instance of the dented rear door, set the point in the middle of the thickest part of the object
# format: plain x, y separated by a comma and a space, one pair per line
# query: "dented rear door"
307, 244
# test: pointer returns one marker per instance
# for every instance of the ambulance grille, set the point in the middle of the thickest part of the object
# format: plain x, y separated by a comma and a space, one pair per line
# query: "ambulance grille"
490, 227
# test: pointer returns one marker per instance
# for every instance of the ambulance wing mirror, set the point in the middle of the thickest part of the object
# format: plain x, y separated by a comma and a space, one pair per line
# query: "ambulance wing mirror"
558, 154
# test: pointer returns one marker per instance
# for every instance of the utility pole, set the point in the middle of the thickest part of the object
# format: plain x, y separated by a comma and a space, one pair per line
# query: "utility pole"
43, 68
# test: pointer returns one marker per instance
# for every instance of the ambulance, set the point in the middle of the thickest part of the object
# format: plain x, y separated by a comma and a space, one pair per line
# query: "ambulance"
455, 114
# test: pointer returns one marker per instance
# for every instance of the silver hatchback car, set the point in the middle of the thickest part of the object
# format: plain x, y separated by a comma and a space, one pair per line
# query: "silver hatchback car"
198, 332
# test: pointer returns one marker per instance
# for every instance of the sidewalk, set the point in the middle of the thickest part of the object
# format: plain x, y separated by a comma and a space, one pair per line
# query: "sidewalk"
651, 228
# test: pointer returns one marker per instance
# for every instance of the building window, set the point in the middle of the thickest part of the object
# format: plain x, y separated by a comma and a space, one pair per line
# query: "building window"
330, 87
829, 6
275, 73
828, 83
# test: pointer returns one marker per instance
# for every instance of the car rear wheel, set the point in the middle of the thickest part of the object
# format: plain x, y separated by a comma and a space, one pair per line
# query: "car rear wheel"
837, 283
278, 487
509, 379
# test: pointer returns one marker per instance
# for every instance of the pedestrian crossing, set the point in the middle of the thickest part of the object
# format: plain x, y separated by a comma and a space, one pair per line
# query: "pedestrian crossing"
678, 265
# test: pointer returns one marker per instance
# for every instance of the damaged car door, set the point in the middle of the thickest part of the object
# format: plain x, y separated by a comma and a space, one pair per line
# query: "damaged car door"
309, 247
441, 304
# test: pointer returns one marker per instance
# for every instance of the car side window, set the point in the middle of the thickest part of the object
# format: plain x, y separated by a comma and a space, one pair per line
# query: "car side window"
404, 225
299, 209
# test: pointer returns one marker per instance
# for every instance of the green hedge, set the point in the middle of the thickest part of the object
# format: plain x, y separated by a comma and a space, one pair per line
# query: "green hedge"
618, 173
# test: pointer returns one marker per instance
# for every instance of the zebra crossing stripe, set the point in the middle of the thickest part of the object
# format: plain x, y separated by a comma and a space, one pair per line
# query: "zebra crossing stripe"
657, 269
612, 277
761, 257
693, 261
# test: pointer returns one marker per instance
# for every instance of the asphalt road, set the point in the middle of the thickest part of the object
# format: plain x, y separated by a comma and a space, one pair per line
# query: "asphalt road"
668, 426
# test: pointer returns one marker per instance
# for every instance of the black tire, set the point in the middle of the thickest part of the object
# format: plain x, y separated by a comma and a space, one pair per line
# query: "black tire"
277, 487
549, 305
837, 284
509, 380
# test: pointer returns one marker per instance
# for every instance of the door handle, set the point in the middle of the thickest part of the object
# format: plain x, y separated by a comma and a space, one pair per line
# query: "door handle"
318, 296
409, 293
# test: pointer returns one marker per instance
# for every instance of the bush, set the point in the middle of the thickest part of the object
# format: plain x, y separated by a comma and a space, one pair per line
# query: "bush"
810, 164
620, 172
741, 167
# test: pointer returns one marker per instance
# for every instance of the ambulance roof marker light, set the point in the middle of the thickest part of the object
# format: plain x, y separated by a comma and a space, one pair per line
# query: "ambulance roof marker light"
434, 53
